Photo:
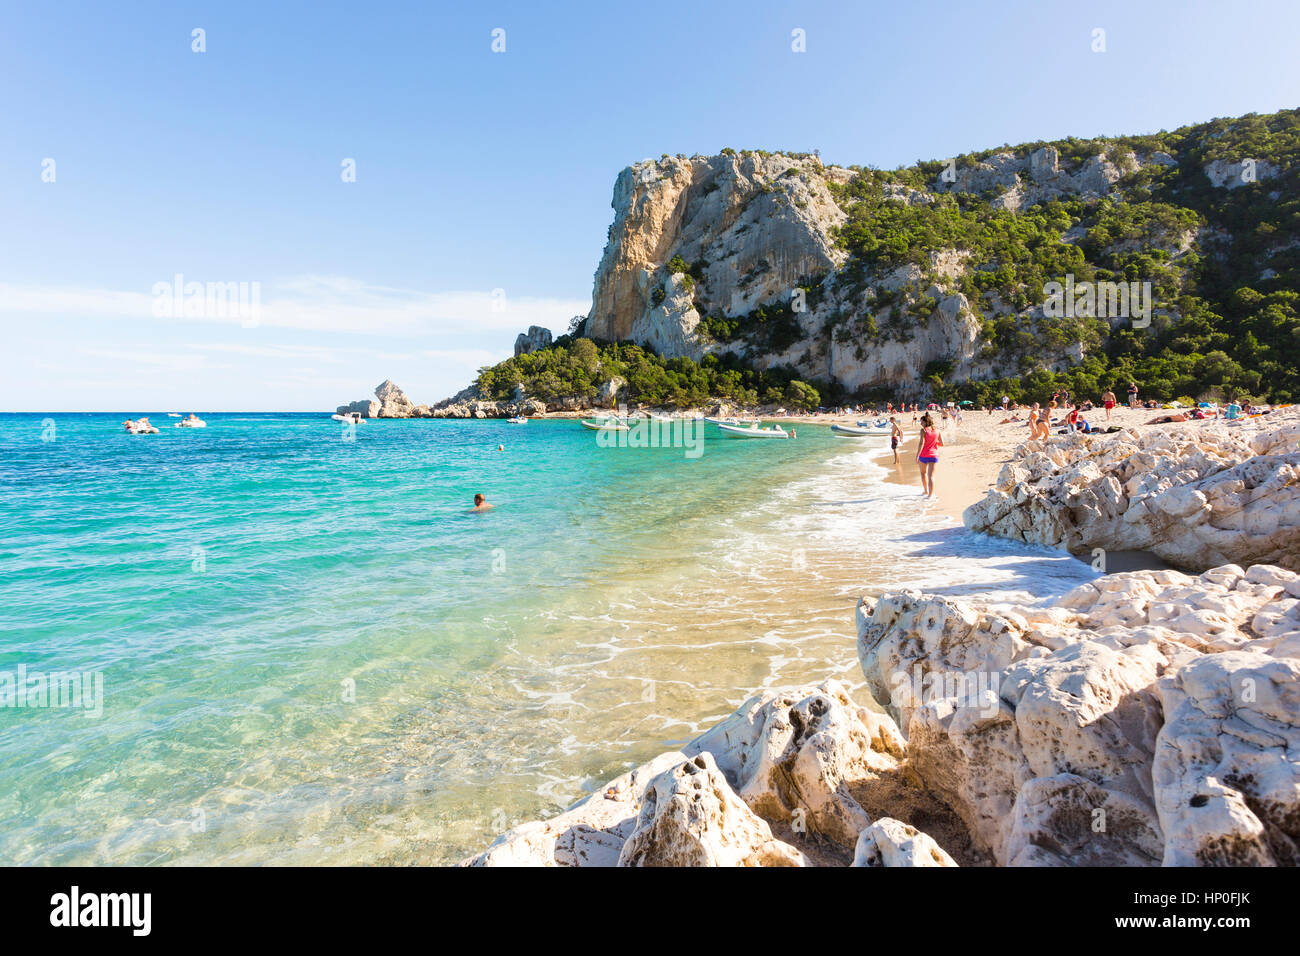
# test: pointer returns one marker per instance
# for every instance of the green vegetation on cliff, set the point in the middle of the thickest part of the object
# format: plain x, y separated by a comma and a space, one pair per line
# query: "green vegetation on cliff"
576, 367
1224, 264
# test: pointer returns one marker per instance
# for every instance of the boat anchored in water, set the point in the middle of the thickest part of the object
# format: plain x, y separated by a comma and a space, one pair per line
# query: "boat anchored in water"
517, 420
192, 422
607, 425
352, 418
139, 426
753, 431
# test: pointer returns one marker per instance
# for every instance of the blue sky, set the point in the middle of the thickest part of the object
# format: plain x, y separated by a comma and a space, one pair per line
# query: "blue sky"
479, 171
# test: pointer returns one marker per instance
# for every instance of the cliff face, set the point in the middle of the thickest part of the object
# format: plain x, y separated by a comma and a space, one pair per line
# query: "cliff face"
753, 227
724, 235
939, 273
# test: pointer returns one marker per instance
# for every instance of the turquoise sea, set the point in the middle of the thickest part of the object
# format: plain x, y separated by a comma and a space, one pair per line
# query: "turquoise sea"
311, 653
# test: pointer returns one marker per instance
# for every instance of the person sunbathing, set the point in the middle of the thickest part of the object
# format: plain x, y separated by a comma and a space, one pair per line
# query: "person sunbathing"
1168, 419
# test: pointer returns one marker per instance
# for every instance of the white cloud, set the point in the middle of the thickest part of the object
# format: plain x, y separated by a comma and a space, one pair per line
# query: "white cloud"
320, 304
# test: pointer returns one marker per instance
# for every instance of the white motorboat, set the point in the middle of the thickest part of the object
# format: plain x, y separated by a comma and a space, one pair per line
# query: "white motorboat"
753, 431
352, 418
608, 425
192, 422
139, 426
517, 420
851, 431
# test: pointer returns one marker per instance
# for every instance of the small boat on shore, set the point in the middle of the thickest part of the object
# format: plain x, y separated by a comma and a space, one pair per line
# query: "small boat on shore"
852, 431
753, 431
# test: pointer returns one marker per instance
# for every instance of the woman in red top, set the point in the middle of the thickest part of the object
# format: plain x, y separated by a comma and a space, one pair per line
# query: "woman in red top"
927, 453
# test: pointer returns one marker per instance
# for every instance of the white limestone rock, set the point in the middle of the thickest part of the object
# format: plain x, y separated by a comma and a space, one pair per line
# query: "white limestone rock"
590, 833
890, 842
1227, 763
1235, 173
761, 223
795, 755
1028, 721
1067, 820
690, 816
534, 340
789, 756
1197, 495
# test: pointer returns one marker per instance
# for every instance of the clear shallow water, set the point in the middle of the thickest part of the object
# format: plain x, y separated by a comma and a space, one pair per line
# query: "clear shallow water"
234, 583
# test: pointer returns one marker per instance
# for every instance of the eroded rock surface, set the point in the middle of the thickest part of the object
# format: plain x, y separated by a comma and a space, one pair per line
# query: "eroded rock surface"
1199, 494
690, 816
792, 760
890, 842
1148, 717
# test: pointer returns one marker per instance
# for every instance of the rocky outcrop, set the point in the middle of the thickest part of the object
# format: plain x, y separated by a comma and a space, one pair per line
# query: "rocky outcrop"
690, 816
1147, 718
393, 402
1226, 765
1021, 181
753, 225
890, 842
724, 235
535, 339
1095, 732
389, 402
1235, 173
1196, 494
794, 762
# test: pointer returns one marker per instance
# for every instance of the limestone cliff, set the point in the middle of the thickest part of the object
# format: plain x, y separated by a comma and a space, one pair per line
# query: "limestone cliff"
724, 235
755, 225
900, 282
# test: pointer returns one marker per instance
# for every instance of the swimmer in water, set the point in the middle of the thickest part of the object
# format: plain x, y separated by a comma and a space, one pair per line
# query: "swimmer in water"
480, 504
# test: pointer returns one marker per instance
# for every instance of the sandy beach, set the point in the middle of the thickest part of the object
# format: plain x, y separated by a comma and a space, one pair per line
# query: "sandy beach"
974, 450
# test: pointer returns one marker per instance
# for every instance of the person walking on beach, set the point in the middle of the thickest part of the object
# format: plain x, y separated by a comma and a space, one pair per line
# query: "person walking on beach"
927, 453
1109, 401
1132, 395
895, 437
